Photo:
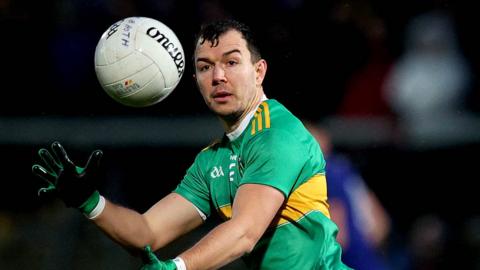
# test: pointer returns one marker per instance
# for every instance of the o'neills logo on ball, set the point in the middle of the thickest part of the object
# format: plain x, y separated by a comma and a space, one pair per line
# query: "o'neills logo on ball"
173, 50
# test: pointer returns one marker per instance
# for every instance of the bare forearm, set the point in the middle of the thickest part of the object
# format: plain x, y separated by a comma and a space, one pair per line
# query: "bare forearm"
125, 226
221, 246
237, 236
162, 223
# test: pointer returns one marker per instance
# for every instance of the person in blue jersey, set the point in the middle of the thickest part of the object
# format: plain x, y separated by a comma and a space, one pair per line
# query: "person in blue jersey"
364, 224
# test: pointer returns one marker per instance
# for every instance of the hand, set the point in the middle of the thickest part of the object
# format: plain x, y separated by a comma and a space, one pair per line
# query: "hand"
151, 262
74, 185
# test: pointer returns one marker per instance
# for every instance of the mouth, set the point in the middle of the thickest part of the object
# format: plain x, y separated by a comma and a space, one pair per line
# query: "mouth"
221, 96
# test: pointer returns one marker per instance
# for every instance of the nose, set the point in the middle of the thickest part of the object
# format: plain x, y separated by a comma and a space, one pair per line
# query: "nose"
218, 75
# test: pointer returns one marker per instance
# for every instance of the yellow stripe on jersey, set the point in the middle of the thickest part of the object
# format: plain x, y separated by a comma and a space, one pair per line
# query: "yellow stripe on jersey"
253, 125
261, 119
310, 196
212, 144
225, 211
267, 114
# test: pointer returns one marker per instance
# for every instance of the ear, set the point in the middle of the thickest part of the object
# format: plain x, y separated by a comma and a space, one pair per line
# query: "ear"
260, 71
194, 77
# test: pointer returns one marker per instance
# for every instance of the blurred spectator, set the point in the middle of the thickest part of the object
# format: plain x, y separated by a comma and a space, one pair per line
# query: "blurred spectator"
364, 224
363, 90
430, 81
427, 243
471, 240
211, 9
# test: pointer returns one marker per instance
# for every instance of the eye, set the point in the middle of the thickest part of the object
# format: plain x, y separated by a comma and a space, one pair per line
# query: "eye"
203, 68
232, 62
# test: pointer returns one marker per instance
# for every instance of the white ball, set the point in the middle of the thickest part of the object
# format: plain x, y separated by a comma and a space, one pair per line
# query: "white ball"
139, 61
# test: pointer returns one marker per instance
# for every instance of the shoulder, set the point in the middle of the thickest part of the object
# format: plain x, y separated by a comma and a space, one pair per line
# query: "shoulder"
271, 115
275, 140
274, 126
212, 146
208, 152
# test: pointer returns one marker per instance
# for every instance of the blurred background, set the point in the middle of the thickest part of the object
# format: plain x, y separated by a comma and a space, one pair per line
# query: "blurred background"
393, 85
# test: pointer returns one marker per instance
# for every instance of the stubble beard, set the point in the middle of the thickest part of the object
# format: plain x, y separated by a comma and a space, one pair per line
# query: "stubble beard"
230, 117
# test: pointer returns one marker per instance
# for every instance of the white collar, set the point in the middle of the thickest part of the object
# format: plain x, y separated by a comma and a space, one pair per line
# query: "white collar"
239, 130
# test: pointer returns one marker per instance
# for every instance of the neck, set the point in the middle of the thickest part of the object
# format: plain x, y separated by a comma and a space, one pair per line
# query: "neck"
230, 125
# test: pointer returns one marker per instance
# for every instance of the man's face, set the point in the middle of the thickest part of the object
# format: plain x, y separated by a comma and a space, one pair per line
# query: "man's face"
228, 80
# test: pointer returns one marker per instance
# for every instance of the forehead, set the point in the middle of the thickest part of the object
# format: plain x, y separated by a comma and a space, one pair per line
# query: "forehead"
230, 40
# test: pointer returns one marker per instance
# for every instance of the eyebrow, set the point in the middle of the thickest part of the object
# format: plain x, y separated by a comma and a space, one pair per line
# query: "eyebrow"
204, 59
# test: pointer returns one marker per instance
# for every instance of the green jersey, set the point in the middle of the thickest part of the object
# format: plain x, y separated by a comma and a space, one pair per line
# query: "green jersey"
271, 147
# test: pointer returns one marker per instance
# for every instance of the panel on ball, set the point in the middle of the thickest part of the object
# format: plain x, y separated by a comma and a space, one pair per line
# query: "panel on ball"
114, 72
149, 94
160, 44
117, 41
124, 90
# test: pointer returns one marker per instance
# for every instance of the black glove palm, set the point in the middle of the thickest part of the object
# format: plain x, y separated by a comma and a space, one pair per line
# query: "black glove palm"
74, 185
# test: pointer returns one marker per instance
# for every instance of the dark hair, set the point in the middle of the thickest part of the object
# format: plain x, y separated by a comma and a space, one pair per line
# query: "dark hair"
213, 30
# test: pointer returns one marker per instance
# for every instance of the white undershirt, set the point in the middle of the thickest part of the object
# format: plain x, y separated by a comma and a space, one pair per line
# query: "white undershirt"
245, 121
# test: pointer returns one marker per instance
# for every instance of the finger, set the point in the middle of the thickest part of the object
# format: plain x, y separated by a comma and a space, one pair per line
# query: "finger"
46, 190
93, 162
49, 177
61, 155
148, 255
50, 163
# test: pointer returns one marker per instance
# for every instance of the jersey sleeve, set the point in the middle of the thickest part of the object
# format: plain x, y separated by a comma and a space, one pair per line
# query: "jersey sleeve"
194, 188
274, 158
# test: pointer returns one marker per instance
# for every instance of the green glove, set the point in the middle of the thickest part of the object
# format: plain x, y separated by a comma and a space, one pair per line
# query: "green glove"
151, 262
74, 185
